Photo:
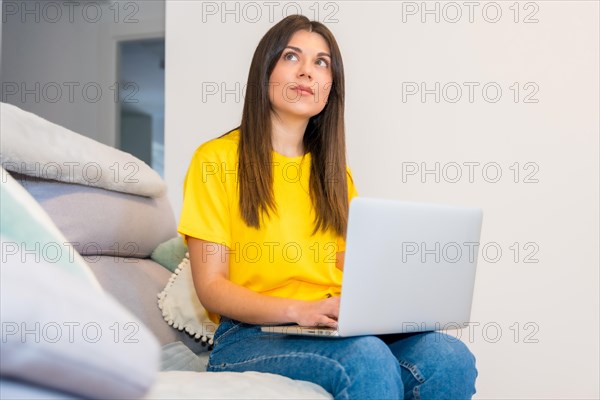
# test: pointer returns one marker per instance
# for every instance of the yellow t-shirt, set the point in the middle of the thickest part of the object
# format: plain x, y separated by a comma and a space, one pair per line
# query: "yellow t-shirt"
281, 258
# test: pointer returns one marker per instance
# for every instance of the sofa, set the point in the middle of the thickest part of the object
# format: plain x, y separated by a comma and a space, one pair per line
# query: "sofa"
96, 297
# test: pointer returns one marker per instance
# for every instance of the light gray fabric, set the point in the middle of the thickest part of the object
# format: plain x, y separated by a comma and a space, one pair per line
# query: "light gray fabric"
19, 390
232, 385
34, 146
177, 356
59, 328
99, 221
60, 334
135, 283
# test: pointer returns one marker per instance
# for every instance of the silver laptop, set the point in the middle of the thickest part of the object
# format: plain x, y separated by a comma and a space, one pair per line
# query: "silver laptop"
409, 267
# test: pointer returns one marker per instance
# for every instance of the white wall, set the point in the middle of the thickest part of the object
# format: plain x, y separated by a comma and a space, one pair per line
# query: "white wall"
541, 318
0, 45
71, 46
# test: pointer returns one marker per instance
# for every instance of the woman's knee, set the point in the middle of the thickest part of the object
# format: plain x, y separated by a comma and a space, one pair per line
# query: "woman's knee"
368, 359
455, 372
458, 356
456, 353
369, 350
436, 353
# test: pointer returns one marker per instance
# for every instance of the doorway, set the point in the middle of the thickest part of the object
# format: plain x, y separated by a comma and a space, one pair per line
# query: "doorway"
141, 106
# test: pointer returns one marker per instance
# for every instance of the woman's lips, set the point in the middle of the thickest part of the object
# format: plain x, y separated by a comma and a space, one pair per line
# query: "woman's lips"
303, 90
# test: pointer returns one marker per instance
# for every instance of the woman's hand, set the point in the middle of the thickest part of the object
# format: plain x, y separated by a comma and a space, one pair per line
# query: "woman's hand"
316, 313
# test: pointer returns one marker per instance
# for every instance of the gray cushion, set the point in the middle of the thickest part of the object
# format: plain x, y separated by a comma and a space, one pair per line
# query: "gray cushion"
48, 300
103, 222
135, 283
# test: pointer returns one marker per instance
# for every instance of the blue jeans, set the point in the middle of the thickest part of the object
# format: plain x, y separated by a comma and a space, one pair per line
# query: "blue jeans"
426, 365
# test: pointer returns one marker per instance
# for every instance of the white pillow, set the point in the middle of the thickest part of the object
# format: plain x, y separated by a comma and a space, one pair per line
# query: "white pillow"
59, 329
232, 385
181, 307
33, 146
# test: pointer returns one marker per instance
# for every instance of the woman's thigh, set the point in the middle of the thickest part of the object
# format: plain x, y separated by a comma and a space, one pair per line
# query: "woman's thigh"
358, 367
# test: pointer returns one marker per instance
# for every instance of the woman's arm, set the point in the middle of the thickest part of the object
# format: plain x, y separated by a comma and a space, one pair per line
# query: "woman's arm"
339, 260
210, 271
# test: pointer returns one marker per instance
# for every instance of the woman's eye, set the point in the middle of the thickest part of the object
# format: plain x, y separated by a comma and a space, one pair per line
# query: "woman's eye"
290, 56
322, 62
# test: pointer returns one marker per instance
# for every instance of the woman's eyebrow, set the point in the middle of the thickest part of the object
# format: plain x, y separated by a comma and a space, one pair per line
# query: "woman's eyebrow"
299, 50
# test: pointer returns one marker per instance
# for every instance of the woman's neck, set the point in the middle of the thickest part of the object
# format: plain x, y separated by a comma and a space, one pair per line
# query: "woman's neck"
287, 136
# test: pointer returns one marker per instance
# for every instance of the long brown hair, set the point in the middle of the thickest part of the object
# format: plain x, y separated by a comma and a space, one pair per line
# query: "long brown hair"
324, 137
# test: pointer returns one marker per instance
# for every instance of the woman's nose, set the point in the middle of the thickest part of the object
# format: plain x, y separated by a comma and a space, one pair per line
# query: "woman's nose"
305, 69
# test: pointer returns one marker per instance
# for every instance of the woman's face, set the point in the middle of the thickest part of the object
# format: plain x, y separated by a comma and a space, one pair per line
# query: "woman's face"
301, 80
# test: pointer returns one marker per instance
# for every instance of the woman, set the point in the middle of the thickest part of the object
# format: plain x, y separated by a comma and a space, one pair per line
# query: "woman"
265, 214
